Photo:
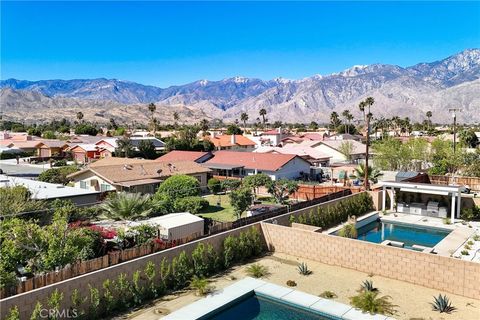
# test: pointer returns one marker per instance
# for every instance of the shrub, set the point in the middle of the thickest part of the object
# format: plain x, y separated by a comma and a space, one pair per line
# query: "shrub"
137, 289
326, 217
181, 270
230, 184
191, 204
37, 312
201, 285
464, 252
476, 237
291, 283
13, 314
166, 275
150, 274
303, 269
94, 302
77, 301
348, 231
442, 304
122, 288
214, 185
108, 301
257, 270
199, 260
367, 285
123, 205
229, 251
59, 163
213, 260
467, 247
180, 186
446, 221
57, 175
328, 295
368, 301
470, 214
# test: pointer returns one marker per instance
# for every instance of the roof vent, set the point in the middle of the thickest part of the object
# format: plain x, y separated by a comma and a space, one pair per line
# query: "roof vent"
159, 171
127, 167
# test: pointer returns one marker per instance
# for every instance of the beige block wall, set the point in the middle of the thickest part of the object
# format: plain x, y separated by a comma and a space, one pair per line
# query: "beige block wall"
26, 301
428, 270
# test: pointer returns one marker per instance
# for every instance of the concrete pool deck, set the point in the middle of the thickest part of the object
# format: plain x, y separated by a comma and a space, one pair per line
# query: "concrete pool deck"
214, 302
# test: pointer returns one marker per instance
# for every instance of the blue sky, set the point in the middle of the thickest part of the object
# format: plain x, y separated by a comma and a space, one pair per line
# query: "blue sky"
162, 43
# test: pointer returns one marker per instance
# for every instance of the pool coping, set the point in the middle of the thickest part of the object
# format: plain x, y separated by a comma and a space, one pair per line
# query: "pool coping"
222, 299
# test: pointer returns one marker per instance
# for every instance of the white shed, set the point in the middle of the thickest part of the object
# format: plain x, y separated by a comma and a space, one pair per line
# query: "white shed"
178, 226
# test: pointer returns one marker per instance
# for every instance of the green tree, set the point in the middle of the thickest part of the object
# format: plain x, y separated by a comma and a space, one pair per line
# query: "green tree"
334, 120
17, 199
58, 175
282, 188
240, 200
124, 147
123, 205
348, 117
214, 185
204, 125
86, 128
180, 186
79, 116
429, 116
49, 134
147, 149
233, 129
468, 138
256, 181
313, 126
152, 108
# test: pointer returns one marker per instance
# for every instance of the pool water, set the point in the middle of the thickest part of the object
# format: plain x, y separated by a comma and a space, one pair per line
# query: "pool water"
261, 308
379, 231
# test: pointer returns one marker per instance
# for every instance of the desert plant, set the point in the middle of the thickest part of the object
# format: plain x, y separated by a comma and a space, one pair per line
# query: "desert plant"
123, 205
150, 274
328, 294
367, 285
442, 304
464, 252
37, 312
467, 247
303, 269
470, 242
476, 237
53, 303
348, 231
291, 283
368, 301
13, 314
446, 221
201, 285
257, 270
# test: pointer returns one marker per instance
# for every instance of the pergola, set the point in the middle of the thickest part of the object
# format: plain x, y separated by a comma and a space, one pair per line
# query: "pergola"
434, 189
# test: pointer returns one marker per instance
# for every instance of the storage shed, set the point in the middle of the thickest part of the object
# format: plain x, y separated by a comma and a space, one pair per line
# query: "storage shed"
178, 226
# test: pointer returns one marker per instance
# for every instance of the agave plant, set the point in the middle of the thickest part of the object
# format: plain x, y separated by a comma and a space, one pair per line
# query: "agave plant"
368, 301
348, 231
124, 205
367, 285
257, 270
303, 269
328, 294
442, 304
201, 285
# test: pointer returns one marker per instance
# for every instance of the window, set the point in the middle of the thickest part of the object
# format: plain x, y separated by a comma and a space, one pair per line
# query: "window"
104, 187
83, 184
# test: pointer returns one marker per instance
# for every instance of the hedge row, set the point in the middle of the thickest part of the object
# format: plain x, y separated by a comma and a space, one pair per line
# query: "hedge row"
153, 281
327, 217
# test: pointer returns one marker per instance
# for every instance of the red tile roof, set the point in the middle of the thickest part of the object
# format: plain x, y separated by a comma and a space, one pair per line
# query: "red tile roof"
251, 160
177, 155
225, 140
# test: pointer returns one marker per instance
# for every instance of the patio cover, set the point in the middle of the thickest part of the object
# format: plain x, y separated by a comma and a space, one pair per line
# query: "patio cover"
220, 166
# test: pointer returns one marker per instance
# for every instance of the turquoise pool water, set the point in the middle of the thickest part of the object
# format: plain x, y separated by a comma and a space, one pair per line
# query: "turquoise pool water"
262, 308
379, 231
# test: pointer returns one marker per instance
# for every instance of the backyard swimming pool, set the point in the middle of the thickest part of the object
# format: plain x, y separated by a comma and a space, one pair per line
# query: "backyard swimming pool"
378, 231
262, 308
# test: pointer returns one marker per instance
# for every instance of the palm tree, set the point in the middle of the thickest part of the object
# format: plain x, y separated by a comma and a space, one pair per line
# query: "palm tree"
204, 125
152, 108
123, 205
176, 117
79, 115
263, 113
334, 120
372, 174
244, 118
429, 115
368, 102
125, 146
347, 116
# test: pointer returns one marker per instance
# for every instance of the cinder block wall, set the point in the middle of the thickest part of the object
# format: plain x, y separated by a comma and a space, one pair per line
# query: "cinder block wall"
428, 270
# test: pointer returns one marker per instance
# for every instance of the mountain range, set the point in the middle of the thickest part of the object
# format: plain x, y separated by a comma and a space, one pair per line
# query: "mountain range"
453, 82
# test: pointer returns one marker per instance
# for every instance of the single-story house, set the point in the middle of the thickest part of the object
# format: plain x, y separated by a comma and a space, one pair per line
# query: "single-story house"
135, 175
273, 137
84, 153
180, 155
314, 156
50, 148
50, 191
30, 146
232, 142
240, 164
333, 148
157, 143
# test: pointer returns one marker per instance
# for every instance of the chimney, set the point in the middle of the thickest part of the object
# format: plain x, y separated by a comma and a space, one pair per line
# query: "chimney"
279, 129
233, 139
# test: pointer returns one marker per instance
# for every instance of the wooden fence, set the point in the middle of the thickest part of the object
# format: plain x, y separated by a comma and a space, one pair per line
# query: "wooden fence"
83, 267
472, 182
309, 192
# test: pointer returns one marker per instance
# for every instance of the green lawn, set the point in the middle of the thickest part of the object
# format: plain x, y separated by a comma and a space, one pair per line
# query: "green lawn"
224, 212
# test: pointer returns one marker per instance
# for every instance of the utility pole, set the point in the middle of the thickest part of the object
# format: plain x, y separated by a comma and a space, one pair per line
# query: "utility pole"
454, 111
